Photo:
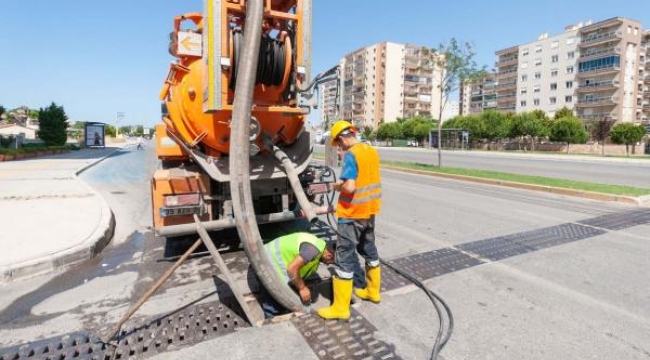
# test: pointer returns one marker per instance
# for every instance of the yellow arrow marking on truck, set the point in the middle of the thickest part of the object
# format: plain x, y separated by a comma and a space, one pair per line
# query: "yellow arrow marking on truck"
188, 43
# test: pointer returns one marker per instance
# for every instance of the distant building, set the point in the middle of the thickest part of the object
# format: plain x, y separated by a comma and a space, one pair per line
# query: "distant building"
384, 81
15, 130
599, 70
478, 95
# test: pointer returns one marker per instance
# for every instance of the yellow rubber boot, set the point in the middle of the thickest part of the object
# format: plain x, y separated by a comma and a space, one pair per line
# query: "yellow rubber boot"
340, 308
371, 292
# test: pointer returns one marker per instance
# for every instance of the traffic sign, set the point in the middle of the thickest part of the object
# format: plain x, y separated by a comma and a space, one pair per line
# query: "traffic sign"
189, 44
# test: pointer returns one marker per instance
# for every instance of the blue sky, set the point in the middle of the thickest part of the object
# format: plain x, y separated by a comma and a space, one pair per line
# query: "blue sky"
99, 57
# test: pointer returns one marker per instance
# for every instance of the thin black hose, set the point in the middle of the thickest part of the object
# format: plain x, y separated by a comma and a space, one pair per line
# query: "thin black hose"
441, 341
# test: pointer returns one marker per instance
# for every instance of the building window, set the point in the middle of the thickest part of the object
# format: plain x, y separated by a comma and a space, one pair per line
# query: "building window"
538, 62
536, 88
555, 58
570, 55
522, 103
538, 75
603, 63
569, 69
568, 99
524, 78
538, 48
555, 44
524, 65
553, 86
569, 84
570, 40
554, 72
524, 52
523, 91
552, 100
536, 102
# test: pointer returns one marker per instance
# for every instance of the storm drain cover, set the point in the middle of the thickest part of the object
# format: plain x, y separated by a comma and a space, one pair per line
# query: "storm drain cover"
620, 221
340, 340
180, 329
435, 263
517, 244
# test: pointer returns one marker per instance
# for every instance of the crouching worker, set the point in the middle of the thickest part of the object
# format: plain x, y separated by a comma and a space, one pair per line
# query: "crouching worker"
296, 257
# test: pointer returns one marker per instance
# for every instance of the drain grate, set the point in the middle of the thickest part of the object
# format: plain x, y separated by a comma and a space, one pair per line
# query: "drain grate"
620, 221
495, 249
434, 263
180, 329
517, 244
336, 340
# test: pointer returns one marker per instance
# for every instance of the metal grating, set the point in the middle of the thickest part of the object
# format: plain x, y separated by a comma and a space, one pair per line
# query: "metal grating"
339, 340
620, 221
495, 249
435, 263
517, 244
179, 329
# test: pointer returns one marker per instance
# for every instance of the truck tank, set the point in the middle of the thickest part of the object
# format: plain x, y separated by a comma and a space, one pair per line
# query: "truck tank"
232, 144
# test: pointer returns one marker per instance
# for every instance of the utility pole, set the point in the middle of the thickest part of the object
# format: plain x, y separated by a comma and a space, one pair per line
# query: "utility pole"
118, 117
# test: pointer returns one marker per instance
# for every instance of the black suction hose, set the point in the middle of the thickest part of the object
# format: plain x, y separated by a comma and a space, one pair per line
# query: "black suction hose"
443, 336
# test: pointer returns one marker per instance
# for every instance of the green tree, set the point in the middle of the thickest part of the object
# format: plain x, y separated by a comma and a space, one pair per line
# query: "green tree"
569, 130
455, 64
53, 123
417, 128
109, 130
563, 112
2, 111
496, 125
367, 131
628, 134
534, 127
390, 131
126, 129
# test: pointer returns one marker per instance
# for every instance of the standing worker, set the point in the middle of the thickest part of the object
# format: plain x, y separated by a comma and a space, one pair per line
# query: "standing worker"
296, 257
359, 202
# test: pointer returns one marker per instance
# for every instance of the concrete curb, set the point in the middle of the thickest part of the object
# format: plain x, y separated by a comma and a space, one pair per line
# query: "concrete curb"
88, 249
638, 201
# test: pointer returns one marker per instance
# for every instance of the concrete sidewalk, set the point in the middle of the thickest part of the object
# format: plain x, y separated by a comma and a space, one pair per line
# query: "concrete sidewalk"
49, 218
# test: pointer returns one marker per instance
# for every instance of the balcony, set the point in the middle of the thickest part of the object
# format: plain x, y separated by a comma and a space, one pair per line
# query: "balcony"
506, 62
614, 50
597, 101
598, 38
599, 70
507, 85
598, 86
505, 74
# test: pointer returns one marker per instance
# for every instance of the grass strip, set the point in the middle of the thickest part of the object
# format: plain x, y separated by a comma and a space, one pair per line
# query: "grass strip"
524, 179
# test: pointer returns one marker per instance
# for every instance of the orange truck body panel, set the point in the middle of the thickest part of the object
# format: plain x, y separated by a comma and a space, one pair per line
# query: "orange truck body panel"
172, 182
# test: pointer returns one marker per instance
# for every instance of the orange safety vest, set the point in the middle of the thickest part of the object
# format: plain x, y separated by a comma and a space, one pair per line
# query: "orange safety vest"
365, 201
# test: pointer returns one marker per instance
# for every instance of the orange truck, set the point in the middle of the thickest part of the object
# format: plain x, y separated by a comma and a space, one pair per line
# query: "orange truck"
232, 144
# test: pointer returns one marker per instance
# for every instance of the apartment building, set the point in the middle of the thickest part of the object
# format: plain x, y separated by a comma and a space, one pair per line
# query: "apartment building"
546, 72
645, 60
598, 70
506, 78
386, 81
478, 95
328, 103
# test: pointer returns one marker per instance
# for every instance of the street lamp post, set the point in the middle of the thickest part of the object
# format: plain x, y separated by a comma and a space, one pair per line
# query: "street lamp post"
118, 117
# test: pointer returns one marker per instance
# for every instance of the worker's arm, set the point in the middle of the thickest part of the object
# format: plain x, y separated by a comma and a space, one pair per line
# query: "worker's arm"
348, 179
293, 270
348, 185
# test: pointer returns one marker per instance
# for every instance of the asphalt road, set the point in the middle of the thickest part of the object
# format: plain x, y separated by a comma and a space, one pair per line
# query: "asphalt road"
536, 276
613, 171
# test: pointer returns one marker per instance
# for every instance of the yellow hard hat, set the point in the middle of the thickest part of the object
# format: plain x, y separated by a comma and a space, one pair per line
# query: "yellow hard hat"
339, 127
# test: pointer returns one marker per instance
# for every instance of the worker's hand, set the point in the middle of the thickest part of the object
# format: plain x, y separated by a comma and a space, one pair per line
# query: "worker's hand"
305, 295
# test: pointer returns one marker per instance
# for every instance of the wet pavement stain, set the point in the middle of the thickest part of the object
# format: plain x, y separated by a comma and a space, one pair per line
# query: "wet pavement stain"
113, 260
